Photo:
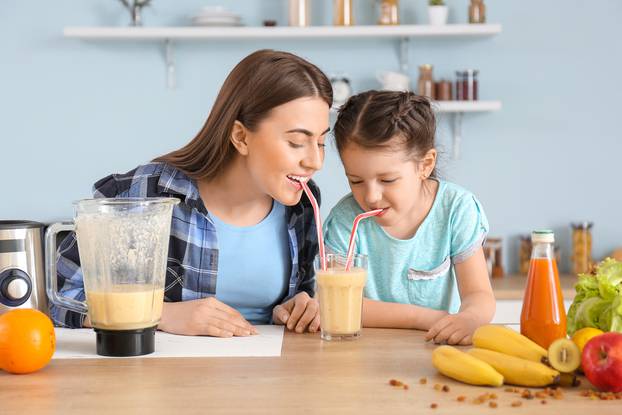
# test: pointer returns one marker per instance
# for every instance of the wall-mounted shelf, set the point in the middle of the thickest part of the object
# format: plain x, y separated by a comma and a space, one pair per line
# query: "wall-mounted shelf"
169, 34
467, 106
457, 109
283, 32
403, 33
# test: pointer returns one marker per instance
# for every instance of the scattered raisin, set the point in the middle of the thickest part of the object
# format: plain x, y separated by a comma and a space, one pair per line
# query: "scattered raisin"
434, 406
516, 403
423, 381
492, 404
445, 388
526, 394
395, 382
461, 398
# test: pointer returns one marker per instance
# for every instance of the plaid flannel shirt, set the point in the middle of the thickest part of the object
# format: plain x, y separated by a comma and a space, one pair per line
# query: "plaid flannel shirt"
192, 266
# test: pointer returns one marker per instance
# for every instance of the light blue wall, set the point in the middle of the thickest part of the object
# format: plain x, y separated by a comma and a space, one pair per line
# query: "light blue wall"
73, 111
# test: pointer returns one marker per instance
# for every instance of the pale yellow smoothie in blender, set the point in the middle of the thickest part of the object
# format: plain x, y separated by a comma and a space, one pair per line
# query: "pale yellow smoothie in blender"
341, 300
125, 307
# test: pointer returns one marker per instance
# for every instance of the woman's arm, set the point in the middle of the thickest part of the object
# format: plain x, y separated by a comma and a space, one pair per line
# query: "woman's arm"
399, 316
478, 303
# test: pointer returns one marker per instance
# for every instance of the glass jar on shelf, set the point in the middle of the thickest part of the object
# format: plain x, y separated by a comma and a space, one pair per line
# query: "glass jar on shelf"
443, 90
389, 12
425, 84
467, 85
581, 247
477, 11
524, 254
343, 14
299, 13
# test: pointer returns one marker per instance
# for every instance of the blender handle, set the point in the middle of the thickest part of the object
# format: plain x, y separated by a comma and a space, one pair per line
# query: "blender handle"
51, 282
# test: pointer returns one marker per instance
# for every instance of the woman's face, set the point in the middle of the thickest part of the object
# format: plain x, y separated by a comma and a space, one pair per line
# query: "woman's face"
288, 147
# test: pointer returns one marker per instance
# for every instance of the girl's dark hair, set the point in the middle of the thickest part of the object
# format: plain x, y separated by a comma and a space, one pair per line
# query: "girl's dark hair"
261, 81
371, 119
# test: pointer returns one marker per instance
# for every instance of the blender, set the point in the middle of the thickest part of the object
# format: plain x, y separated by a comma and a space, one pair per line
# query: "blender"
123, 246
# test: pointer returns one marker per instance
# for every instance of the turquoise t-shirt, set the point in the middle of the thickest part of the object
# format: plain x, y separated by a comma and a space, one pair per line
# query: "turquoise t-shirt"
253, 265
419, 270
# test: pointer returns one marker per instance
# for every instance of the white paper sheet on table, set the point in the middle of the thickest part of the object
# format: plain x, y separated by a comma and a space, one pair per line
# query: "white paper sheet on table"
80, 344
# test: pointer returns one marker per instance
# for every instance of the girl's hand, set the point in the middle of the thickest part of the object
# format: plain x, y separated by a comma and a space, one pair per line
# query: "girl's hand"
204, 317
454, 329
299, 313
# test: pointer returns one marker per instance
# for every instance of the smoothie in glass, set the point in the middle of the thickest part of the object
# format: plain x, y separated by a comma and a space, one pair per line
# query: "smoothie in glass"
341, 297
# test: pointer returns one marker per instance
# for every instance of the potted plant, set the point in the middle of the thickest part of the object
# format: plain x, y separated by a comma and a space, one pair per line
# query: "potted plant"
437, 12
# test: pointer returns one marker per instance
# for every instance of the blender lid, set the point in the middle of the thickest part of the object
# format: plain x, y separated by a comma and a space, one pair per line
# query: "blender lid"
20, 224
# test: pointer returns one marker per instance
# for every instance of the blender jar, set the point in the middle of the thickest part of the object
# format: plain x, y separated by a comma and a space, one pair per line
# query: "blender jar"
123, 246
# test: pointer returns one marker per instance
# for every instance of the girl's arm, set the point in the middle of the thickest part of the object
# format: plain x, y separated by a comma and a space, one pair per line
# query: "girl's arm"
478, 303
399, 316
476, 293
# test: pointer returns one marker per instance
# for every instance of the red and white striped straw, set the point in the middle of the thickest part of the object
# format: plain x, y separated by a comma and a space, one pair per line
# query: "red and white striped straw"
355, 225
318, 223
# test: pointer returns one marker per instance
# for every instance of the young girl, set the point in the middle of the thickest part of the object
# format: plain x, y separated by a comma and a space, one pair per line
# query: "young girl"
426, 263
243, 237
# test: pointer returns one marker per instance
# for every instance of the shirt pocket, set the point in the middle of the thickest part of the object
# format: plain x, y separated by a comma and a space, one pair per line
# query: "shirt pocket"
427, 287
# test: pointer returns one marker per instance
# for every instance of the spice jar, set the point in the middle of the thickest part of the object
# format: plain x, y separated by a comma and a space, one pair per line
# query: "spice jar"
299, 13
425, 85
443, 90
342, 13
467, 85
477, 11
581, 247
389, 12
524, 254
494, 257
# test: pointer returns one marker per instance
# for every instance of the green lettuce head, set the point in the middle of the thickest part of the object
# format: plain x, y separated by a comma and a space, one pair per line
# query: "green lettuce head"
598, 302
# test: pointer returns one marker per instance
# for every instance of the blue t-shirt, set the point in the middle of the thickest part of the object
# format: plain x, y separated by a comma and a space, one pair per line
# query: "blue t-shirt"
419, 270
253, 265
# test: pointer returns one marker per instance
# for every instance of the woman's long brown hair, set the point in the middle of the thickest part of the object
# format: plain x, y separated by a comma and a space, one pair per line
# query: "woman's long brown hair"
261, 81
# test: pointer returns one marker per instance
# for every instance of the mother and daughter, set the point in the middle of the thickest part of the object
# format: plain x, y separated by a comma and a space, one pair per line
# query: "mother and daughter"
239, 183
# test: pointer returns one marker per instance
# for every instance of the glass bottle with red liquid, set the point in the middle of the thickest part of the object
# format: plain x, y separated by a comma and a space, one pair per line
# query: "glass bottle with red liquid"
543, 318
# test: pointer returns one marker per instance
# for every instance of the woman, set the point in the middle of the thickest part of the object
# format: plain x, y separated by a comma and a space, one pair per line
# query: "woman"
243, 237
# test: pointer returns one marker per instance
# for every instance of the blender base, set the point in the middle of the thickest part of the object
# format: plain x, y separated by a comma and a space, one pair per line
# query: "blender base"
124, 343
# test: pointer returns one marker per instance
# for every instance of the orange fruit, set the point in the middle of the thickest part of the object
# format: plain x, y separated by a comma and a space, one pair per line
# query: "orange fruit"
581, 337
27, 340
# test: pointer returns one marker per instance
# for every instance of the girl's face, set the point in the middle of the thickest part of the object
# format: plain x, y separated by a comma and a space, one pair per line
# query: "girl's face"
287, 147
388, 178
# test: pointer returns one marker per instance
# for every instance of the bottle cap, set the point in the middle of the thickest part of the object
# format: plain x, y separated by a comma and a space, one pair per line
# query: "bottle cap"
543, 236
582, 225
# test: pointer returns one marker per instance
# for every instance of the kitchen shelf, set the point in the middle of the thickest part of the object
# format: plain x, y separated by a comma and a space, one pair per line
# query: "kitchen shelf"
457, 110
169, 34
282, 32
403, 33
466, 106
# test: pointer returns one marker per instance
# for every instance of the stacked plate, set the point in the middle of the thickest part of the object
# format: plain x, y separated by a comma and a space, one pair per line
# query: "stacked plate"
216, 16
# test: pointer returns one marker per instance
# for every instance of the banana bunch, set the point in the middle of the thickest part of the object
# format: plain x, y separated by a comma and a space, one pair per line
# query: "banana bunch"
458, 365
517, 371
501, 355
505, 340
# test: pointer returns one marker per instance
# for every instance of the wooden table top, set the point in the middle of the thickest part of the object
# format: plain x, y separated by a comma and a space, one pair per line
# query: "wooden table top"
512, 287
311, 376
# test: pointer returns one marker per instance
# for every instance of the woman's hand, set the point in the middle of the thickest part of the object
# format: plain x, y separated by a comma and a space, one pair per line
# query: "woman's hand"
454, 329
204, 317
299, 313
